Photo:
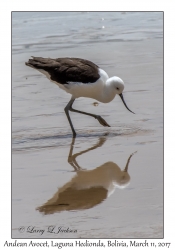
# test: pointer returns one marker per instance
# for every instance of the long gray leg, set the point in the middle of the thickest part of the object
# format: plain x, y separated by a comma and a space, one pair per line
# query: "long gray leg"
66, 109
98, 117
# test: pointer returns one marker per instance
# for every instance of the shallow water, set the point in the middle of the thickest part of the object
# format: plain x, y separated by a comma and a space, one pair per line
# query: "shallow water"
81, 184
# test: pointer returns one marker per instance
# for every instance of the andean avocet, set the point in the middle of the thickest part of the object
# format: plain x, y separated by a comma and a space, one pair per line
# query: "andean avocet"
80, 78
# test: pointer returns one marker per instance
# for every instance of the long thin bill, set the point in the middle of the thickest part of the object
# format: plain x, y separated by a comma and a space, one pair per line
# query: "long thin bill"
121, 96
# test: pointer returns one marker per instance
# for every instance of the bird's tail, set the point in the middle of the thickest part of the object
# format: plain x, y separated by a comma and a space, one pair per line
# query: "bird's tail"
40, 62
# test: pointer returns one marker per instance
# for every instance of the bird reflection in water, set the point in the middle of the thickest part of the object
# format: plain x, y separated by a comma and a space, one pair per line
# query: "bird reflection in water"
88, 187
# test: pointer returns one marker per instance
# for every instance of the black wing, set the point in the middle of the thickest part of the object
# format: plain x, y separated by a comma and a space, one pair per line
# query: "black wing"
65, 70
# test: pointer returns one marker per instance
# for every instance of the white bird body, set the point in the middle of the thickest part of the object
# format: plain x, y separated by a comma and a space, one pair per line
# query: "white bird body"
94, 90
100, 90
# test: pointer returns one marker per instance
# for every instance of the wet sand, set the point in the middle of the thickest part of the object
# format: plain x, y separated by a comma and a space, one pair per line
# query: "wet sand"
86, 185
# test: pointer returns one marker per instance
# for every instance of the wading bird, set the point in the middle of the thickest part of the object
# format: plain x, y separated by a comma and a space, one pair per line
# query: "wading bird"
80, 78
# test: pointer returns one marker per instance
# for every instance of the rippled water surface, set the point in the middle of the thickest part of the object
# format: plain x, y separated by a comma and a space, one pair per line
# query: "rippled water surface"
108, 182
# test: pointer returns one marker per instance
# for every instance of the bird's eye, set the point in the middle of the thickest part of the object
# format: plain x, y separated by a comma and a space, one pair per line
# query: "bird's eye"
117, 88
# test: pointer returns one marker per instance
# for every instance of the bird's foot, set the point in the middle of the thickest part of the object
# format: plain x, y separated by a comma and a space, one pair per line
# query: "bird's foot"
102, 121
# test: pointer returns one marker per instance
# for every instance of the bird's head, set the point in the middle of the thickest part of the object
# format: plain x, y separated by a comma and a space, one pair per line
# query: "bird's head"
117, 85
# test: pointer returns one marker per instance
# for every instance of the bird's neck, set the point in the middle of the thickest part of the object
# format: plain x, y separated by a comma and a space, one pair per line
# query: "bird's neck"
108, 92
